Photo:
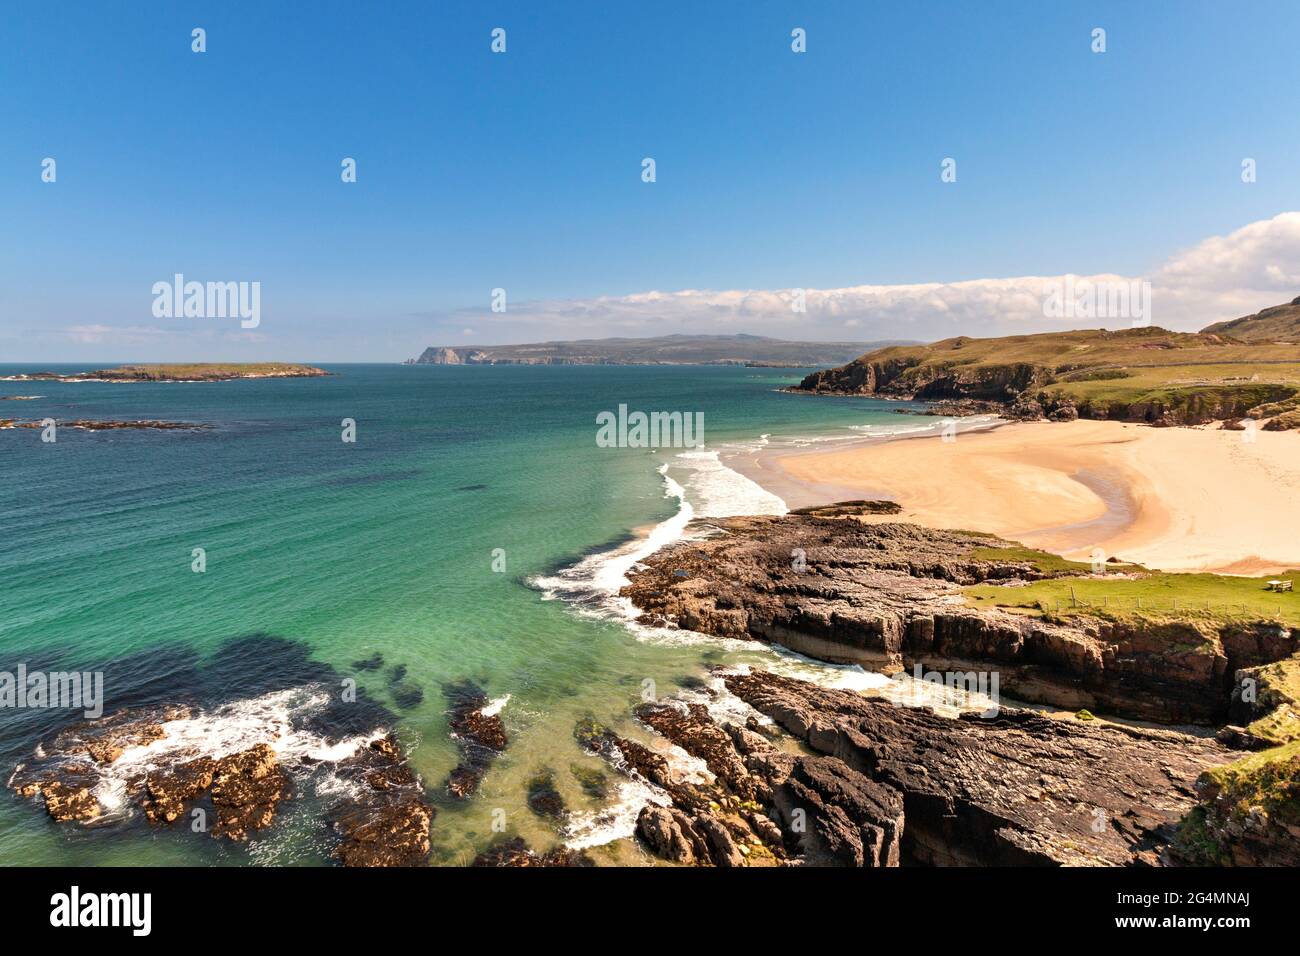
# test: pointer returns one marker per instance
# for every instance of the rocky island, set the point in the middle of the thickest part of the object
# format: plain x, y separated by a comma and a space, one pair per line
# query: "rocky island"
148, 762
178, 372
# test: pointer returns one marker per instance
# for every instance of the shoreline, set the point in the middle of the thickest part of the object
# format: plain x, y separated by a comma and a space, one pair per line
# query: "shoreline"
762, 465
1192, 499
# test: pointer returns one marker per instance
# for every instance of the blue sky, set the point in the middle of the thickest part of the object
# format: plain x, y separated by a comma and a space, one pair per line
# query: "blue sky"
774, 169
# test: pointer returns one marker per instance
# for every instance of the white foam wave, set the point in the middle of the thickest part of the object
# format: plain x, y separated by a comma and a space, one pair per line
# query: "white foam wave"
716, 491
495, 706
270, 719
615, 821
592, 585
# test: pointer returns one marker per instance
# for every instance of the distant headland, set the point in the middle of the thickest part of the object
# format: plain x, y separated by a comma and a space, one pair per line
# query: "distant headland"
751, 350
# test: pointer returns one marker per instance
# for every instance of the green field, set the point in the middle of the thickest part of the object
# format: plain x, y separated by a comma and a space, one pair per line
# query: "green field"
1244, 385
1133, 593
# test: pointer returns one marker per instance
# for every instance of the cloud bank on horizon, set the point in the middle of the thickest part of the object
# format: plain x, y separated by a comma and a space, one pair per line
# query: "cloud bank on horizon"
1222, 277
1219, 278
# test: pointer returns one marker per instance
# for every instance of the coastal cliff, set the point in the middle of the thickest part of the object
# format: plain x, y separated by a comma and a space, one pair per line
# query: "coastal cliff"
893, 596
1138, 375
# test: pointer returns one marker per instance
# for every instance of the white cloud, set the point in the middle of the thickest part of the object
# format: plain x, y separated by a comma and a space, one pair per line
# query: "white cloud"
96, 333
1222, 277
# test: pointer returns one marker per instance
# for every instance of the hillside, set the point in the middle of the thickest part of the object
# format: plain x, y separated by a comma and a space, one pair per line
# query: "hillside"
1280, 323
661, 350
1146, 374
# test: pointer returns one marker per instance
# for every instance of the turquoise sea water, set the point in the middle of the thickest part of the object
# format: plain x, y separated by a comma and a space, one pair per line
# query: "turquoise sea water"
321, 554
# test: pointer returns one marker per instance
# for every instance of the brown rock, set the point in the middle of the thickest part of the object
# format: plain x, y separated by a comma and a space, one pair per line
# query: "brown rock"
246, 787
1020, 788
887, 596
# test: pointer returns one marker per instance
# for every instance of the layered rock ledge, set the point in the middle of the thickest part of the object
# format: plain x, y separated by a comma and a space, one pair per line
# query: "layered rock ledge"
888, 596
882, 785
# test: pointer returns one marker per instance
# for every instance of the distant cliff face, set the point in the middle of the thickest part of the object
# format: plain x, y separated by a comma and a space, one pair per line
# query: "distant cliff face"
661, 350
446, 356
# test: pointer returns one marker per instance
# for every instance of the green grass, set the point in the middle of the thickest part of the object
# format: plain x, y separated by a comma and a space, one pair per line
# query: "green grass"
1066, 352
1148, 383
1212, 598
1119, 374
1266, 778
1278, 687
1043, 561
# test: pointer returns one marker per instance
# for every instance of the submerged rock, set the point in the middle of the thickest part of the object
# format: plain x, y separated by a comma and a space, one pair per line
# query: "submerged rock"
594, 782
543, 798
516, 852
481, 737
388, 823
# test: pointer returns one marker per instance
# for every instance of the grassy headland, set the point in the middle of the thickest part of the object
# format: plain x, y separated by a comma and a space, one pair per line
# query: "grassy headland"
1145, 374
1129, 592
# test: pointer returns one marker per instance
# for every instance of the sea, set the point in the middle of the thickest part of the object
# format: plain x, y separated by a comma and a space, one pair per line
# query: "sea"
473, 529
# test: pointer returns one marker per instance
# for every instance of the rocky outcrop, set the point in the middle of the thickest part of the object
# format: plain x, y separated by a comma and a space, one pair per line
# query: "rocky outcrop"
104, 425
387, 823
383, 820
888, 597
1249, 813
886, 784
246, 787
907, 378
762, 806
1020, 788
481, 737
516, 852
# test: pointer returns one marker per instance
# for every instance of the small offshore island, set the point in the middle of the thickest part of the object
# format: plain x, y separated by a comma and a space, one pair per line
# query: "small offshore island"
191, 372
179, 372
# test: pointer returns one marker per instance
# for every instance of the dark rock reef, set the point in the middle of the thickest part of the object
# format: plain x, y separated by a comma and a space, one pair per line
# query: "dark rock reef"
480, 737
384, 821
515, 852
388, 825
95, 425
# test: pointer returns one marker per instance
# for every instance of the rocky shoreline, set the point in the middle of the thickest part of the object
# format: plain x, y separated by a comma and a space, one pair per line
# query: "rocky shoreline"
888, 597
877, 784
1059, 376
1005, 786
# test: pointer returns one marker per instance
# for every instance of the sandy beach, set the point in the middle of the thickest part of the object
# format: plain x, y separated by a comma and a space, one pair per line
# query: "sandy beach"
1179, 499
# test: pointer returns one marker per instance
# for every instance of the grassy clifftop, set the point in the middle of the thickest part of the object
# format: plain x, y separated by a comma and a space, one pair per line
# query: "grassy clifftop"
1281, 323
